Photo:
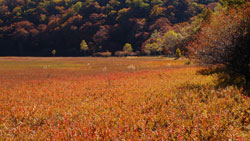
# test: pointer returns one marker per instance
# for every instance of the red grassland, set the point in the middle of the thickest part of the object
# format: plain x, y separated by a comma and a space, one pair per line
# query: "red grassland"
116, 98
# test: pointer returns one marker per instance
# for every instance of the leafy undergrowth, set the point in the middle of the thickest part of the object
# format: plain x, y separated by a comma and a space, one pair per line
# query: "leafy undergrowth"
164, 100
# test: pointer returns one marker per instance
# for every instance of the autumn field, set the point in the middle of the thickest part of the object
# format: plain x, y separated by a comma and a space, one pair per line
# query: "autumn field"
137, 98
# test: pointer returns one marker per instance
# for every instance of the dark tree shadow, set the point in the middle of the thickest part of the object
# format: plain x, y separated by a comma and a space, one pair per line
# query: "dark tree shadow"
226, 77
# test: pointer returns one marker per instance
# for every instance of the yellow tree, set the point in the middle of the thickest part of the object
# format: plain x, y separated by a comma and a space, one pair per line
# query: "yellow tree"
128, 47
84, 47
53, 52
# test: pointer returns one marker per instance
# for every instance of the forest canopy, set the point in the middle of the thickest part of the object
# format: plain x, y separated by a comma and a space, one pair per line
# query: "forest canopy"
36, 27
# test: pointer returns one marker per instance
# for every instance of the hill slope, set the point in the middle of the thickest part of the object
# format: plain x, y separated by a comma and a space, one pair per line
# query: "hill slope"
35, 27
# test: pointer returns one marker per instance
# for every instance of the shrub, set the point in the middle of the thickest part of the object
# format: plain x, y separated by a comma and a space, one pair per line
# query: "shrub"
121, 53
128, 47
103, 54
125, 53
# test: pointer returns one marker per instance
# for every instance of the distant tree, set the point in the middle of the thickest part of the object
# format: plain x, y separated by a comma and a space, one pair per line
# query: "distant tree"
122, 13
128, 47
172, 39
233, 3
161, 24
178, 53
102, 34
17, 11
149, 48
154, 44
84, 47
153, 48
76, 7
53, 52
156, 11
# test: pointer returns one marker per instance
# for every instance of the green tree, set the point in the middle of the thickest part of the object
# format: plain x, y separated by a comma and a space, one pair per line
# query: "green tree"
84, 47
172, 40
128, 47
154, 47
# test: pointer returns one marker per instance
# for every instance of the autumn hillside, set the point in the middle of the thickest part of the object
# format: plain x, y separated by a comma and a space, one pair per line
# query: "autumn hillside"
36, 27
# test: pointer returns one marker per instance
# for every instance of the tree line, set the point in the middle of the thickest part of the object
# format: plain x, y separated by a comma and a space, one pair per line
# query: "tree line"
36, 27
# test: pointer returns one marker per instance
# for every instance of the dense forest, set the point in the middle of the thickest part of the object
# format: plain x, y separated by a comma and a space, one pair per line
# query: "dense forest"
40, 27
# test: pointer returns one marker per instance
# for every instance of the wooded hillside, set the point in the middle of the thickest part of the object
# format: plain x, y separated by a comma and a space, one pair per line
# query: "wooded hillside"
36, 27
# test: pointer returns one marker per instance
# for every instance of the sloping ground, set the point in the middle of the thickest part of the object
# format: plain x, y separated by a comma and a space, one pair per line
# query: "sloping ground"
94, 98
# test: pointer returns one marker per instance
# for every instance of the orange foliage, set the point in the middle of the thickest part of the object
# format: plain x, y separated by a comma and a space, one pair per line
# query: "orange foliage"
106, 98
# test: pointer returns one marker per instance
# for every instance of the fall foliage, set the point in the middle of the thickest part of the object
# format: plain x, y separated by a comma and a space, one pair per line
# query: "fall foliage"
226, 43
194, 83
35, 27
116, 99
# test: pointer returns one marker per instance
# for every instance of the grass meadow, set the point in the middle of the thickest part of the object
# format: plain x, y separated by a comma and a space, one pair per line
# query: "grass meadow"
137, 98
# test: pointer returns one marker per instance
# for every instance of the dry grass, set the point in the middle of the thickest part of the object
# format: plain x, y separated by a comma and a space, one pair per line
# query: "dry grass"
116, 98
